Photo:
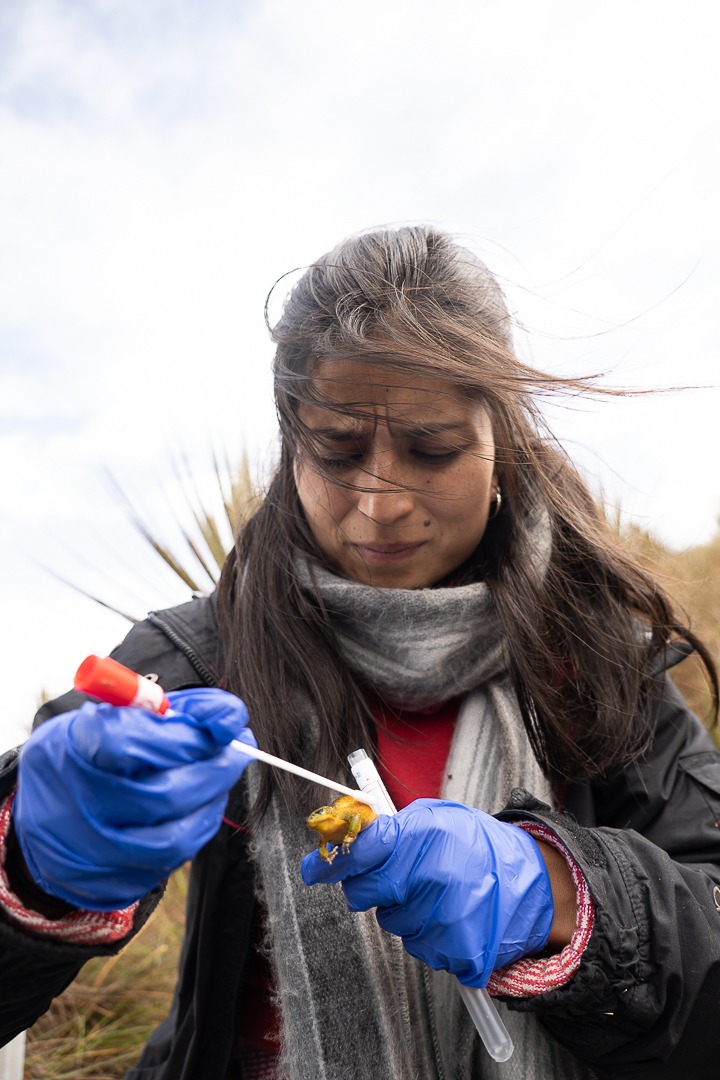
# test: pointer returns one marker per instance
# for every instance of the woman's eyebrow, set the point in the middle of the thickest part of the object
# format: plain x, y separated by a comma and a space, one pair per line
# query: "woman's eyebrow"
437, 428
414, 431
339, 434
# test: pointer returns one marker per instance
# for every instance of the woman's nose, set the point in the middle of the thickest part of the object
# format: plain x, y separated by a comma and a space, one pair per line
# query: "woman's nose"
382, 496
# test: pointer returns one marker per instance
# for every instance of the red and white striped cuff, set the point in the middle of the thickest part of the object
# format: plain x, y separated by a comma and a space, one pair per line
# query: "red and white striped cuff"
534, 975
79, 927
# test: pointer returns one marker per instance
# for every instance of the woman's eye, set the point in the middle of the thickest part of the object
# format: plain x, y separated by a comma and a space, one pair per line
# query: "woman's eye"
353, 459
436, 457
344, 461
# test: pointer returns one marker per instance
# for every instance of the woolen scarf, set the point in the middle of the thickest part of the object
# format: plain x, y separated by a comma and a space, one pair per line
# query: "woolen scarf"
354, 1004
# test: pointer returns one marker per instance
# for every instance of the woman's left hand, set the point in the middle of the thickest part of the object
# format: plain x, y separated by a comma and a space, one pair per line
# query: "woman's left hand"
466, 893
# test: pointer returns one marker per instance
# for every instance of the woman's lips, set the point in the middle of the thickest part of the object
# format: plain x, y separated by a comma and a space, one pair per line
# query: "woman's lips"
385, 554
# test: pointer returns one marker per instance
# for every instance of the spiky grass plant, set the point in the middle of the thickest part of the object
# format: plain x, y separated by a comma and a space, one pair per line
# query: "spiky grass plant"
199, 510
238, 496
203, 524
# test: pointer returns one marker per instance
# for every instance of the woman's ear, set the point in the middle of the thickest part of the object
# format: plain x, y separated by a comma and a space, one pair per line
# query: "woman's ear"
296, 466
495, 497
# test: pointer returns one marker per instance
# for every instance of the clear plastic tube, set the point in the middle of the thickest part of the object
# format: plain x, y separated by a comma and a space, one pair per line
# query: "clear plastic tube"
495, 1036
487, 1020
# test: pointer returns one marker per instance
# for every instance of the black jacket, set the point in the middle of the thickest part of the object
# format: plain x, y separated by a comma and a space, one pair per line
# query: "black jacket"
646, 1000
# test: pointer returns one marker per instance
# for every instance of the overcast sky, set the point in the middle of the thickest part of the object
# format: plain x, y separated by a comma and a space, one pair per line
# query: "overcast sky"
163, 162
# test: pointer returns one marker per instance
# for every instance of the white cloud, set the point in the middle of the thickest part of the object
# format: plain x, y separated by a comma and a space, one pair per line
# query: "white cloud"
164, 163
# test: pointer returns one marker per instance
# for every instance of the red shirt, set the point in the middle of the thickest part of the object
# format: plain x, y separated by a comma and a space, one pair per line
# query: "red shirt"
413, 749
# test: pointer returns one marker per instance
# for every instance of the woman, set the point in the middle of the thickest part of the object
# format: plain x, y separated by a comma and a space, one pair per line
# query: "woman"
428, 578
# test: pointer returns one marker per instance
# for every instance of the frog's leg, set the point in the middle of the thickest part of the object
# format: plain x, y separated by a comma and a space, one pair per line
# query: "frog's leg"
326, 854
354, 827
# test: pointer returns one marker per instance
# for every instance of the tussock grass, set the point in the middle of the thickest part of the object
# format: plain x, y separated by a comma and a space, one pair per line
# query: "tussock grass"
692, 577
95, 1030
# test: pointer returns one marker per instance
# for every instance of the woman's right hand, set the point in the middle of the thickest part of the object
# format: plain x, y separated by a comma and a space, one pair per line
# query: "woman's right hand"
111, 800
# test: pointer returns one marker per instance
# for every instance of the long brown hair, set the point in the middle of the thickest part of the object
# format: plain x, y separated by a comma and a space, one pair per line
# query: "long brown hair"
583, 640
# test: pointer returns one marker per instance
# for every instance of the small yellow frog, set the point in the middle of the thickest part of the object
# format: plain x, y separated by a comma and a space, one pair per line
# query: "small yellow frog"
339, 823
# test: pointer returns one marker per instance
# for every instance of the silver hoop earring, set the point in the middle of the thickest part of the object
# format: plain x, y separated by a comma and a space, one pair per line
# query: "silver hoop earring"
496, 504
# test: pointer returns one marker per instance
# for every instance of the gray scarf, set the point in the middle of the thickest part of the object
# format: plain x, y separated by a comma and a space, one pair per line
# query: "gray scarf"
354, 1005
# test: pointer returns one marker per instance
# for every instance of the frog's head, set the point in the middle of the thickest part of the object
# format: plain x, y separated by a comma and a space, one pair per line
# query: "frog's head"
320, 816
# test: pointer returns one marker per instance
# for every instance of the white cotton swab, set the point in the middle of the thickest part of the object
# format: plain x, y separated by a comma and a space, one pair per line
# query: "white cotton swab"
112, 682
279, 763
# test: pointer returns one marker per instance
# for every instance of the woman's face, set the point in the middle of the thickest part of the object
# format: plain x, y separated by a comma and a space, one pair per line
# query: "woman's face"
420, 465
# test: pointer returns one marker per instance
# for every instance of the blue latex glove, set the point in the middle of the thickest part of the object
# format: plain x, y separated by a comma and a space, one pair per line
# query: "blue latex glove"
465, 892
111, 800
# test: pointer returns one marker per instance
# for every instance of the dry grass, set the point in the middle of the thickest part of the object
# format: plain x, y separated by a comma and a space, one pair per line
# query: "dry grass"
94, 1031
692, 577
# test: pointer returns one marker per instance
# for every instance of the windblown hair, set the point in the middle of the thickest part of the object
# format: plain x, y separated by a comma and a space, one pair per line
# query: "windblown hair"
585, 641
